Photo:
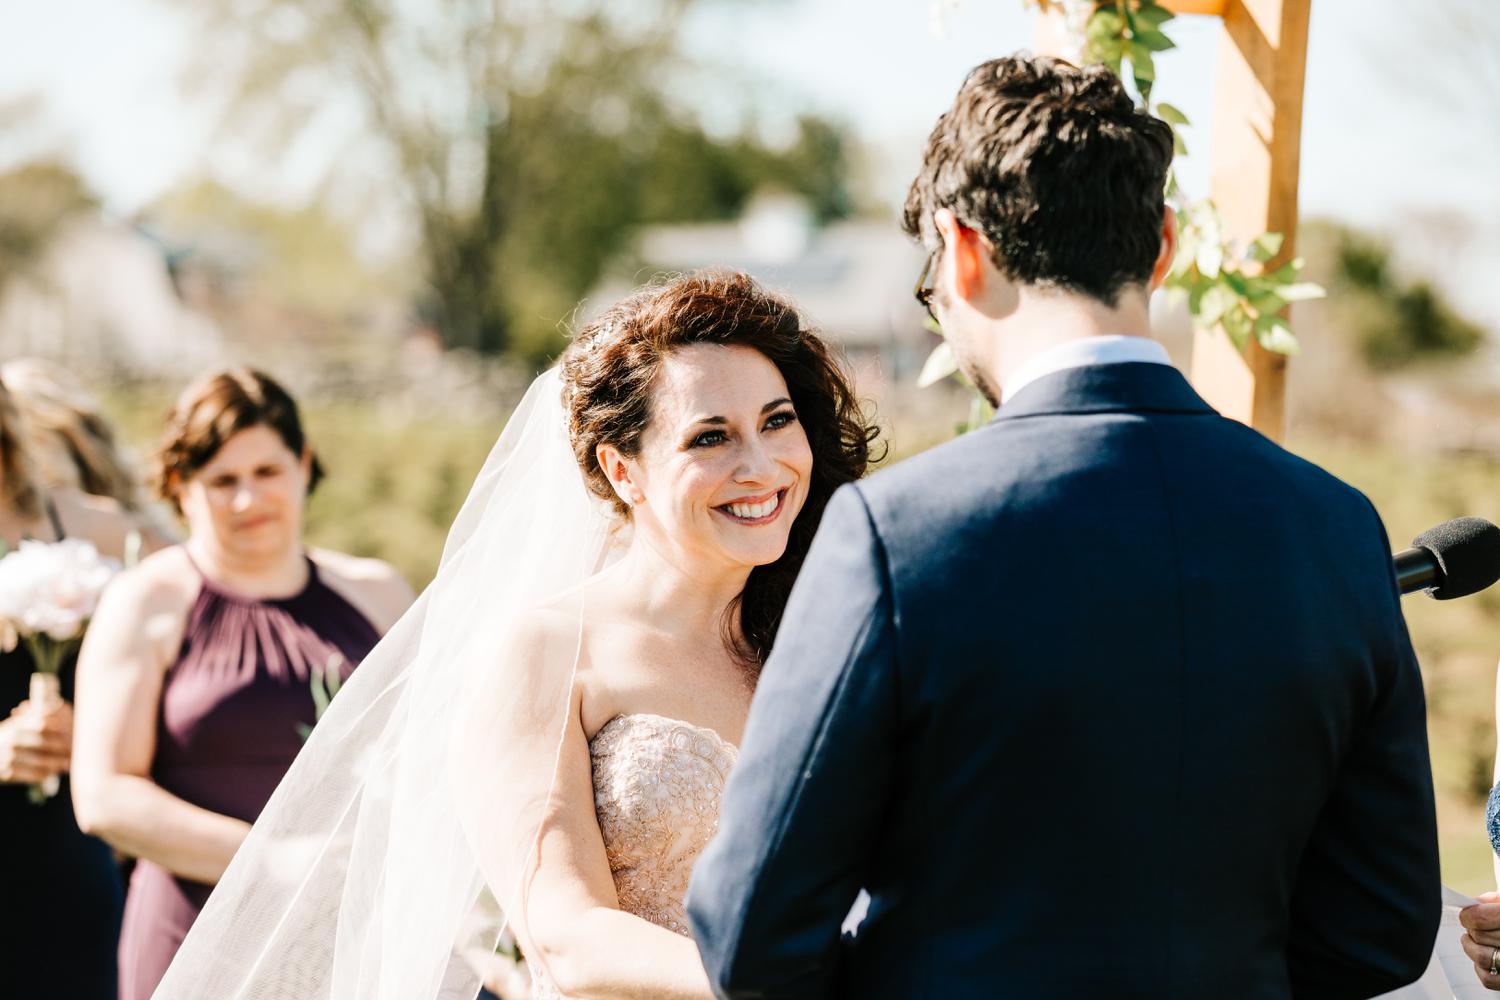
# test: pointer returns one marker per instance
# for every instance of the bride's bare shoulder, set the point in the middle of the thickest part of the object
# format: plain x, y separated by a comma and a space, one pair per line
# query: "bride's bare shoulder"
549, 629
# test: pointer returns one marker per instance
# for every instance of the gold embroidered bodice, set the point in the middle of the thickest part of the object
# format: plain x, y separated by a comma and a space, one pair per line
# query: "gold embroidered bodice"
657, 785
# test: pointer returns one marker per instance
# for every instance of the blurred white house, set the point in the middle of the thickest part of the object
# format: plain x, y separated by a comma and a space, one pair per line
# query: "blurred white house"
853, 279
103, 299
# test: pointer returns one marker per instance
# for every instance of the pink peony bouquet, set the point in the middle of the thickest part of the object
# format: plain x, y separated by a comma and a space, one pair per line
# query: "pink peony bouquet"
48, 592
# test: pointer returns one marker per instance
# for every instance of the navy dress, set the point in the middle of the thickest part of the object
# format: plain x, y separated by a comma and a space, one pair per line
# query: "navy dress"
61, 893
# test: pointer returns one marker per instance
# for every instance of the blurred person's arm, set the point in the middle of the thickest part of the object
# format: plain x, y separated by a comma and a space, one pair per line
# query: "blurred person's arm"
156, 532
117, 696
99, 520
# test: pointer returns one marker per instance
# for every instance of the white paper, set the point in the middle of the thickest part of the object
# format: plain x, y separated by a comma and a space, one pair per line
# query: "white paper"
1450, 975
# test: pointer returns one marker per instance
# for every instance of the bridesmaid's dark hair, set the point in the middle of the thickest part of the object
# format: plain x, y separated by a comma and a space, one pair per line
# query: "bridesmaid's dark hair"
609, 376
216, 408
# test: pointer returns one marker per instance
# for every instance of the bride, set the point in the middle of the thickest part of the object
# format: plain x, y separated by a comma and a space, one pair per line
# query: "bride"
551, 726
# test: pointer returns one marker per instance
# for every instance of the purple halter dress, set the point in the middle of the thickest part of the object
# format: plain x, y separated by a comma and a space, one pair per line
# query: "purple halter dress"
233, 708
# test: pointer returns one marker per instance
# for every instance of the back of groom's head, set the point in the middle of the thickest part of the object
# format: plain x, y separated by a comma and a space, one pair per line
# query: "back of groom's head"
1056, 167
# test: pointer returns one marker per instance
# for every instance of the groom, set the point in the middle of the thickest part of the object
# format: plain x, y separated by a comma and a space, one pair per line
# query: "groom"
1112, 697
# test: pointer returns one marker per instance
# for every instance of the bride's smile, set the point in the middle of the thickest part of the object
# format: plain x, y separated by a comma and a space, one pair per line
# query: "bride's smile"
724, 452
754, 510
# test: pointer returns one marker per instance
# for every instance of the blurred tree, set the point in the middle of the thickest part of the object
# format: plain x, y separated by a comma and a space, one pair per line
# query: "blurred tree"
300, 258
526, 137
1397, 322
37, 201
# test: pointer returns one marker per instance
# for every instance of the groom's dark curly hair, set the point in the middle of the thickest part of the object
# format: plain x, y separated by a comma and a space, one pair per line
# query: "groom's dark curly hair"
1056, 167
609, 374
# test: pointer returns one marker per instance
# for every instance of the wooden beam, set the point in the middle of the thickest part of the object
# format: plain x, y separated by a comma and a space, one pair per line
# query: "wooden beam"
1214, 8
1257, 132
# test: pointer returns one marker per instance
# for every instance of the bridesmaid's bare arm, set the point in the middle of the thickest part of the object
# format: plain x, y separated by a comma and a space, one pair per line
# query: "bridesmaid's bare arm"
125, 655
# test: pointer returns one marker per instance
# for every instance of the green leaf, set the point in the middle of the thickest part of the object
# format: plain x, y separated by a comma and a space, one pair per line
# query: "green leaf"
1195, 298
1275, 334
1236, 281
1109, 53
1301, 292
1179, 148
1268, 303
940, 364
1154, 41
1265, 246
1104, 24
1169, 114
1213, 304
1237, 324
322, 697
1287, 273
1141, 64
979, 412
1153, 14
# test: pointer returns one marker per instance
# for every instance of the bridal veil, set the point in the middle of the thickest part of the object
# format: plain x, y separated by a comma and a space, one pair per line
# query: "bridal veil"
418, 791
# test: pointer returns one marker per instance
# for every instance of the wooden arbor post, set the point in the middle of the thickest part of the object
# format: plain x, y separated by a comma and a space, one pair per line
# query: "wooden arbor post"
1257, 138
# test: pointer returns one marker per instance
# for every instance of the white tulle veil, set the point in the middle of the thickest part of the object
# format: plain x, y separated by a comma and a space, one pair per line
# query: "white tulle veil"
418, 794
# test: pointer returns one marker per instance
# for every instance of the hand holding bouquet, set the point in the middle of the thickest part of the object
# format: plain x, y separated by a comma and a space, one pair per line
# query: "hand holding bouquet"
48, 592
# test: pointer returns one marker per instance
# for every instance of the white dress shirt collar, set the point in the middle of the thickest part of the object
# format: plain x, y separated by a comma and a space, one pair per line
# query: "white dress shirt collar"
1112, 349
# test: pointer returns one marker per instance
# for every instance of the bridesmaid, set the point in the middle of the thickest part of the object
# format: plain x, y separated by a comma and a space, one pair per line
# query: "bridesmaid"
60, 891
195, 680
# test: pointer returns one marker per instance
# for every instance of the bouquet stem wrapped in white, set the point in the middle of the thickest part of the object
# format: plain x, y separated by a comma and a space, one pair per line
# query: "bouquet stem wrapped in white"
48, 592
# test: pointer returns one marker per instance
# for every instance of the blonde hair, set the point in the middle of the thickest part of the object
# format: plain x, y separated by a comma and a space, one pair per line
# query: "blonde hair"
71, 441
19, 485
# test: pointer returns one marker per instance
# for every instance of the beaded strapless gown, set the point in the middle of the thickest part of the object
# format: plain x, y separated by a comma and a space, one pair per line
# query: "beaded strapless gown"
657, 785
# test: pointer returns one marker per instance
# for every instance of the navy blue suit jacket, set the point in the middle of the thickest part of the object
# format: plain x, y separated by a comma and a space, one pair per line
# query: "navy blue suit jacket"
1111, 697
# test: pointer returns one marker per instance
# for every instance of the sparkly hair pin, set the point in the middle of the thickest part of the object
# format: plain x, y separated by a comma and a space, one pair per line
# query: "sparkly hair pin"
599, 336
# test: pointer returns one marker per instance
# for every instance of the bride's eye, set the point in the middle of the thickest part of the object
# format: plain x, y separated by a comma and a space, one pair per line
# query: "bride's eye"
708, 439
780, 420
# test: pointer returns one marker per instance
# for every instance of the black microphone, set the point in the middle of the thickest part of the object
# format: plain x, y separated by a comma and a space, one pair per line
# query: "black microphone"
1455, 559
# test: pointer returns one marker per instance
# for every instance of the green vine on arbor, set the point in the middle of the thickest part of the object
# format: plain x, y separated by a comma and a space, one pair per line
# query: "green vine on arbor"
1224, 283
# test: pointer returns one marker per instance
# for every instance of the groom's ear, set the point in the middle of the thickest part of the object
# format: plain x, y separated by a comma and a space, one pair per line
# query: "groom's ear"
1168, 251
617, 469
966, 255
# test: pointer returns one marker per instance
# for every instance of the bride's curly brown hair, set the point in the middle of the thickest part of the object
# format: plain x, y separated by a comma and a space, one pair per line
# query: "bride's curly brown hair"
609, 374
